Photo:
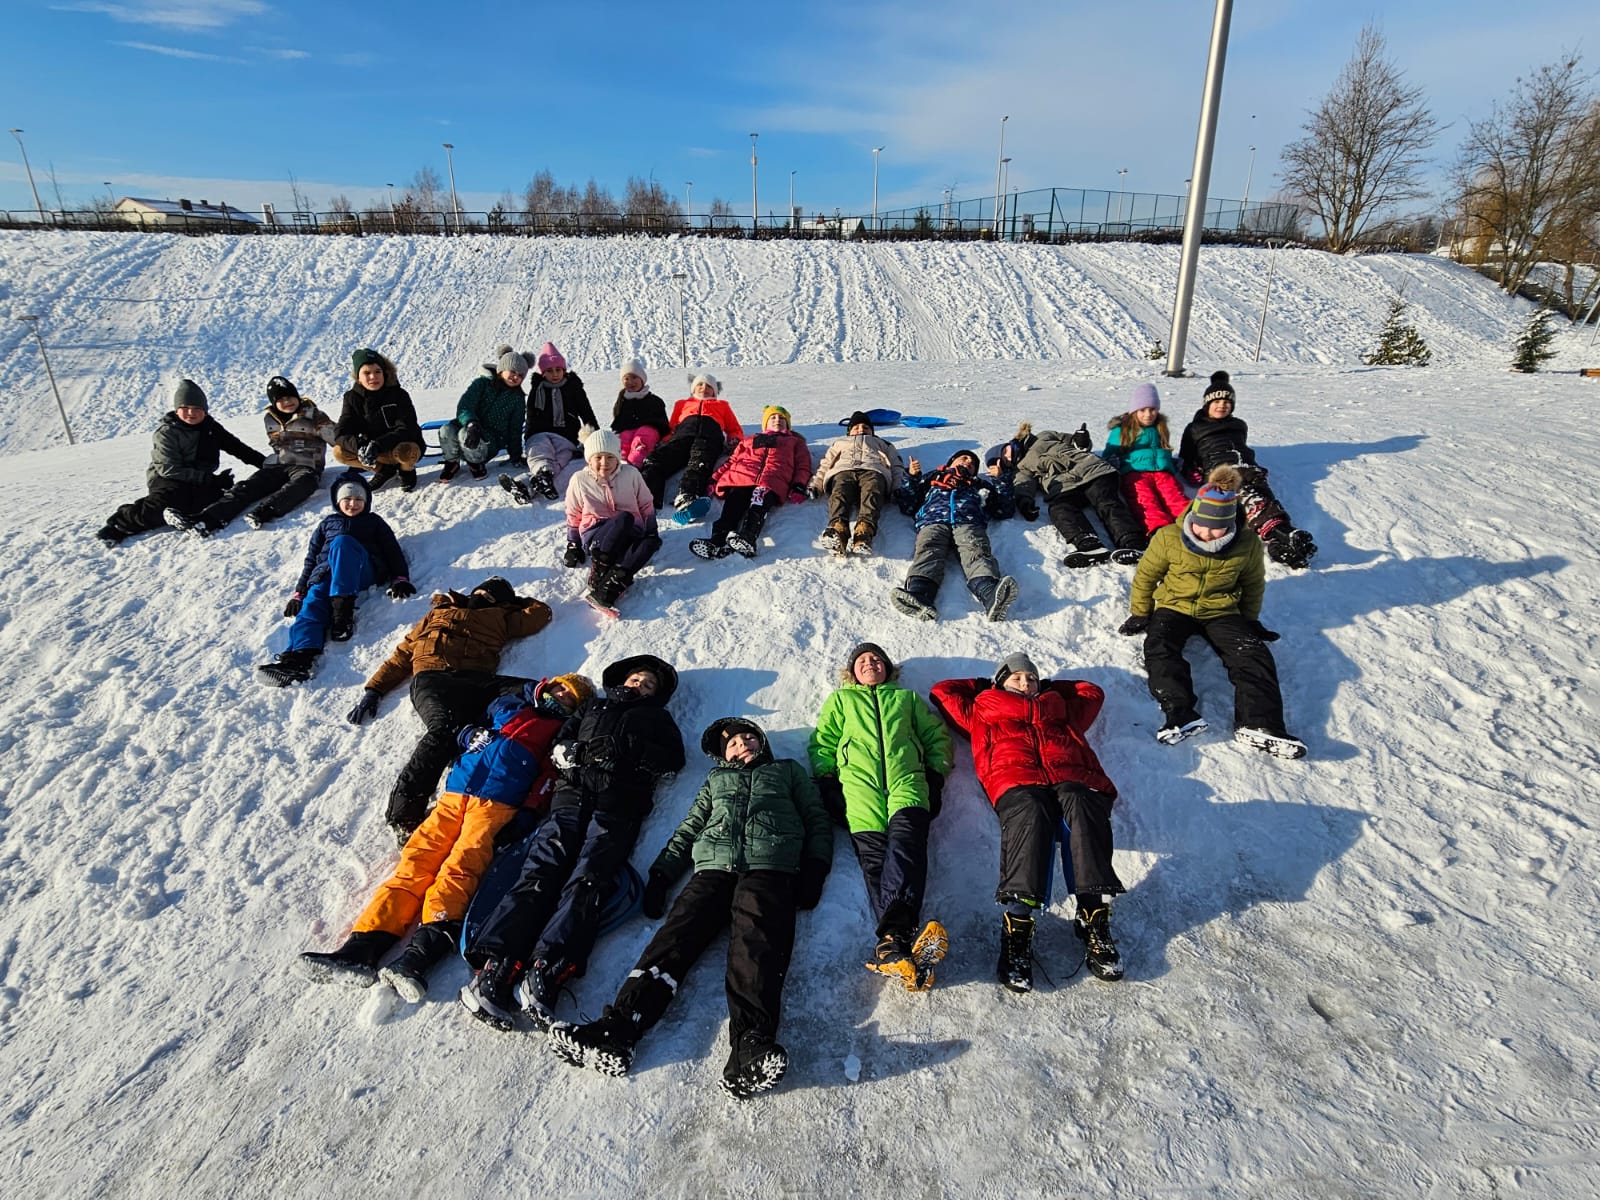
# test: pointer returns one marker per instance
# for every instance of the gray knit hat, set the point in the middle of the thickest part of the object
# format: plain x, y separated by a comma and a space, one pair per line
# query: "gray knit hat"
189, 395
1010, 665
513, 362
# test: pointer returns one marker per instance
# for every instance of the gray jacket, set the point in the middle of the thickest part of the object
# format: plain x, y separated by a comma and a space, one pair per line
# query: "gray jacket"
192, 453
1053, 466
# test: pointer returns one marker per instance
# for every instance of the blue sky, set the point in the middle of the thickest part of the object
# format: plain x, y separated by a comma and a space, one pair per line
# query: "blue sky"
223, 99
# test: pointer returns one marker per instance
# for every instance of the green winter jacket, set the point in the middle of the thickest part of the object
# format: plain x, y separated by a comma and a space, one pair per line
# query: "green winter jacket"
761, 816
496, 407
879, 741
1200, 585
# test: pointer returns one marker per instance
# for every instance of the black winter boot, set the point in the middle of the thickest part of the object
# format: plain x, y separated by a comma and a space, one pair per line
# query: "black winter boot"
755, 1065
1016, 952
431, 943
745, 539
488, 995
354, 963
1093, 927
605, 1045
292, 666
341, 618
382, 475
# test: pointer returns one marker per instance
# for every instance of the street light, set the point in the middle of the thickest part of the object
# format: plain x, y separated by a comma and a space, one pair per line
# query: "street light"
1120, 175
110, 195
30, 317
792, 220
688, 202
450, 162
26, 166
1005, 182
394, 219
1245, 203
755, 207
876, 150
999, 165
683, 337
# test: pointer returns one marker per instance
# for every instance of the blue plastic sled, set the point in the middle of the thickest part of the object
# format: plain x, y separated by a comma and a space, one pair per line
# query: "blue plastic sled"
1064, 841
925, 422
621, 901
880, 417
431, 448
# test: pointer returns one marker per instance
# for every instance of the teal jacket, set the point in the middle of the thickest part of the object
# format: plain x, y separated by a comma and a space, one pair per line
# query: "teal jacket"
1146, 454
494, 406
759, 816
880, 742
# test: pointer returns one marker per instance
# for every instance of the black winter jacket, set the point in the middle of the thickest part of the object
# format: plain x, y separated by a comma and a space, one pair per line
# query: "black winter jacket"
191, 453
638, 412
543, 400
1209, 444
386, 416
623, 744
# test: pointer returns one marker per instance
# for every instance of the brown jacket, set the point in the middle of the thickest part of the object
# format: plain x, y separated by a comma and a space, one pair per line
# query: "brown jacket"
455, 636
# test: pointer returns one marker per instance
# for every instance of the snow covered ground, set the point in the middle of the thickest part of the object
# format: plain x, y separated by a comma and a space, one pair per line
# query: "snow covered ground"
1368, 973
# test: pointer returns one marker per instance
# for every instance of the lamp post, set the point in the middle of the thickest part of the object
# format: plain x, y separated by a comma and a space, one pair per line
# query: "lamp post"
26, 166
876, 150
688, 202
1120, 176
793, 220
683, 337
755, 207
450, 164
1248, 175
110, 195
999, 165
34, 320
1005, 183
394, 219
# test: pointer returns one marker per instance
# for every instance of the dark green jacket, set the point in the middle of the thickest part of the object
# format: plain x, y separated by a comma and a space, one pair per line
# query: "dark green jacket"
761, 816
1204, 586
880, 742
496, 407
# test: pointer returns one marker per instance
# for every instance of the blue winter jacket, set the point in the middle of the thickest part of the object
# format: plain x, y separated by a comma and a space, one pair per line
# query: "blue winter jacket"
371, 530
508, 768
941, 497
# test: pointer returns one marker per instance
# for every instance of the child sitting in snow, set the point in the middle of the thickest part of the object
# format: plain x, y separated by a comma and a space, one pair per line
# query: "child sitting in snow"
611, 520
764, 470
378, 429
488, 419
760, 844
857, 474
558, 412
503, 768
951, 508
1140, 448
352, 549
639, 417
703, 430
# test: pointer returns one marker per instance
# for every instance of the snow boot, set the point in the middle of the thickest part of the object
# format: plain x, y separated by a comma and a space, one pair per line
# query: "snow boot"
1174, 731
1002, 598
449, 471
408, 480
1087, 551
292, 666
519, 490
341, 618
689, 509
260, 518
709, 548
543, 483
408, 974
834, 539
916, 598
1294, 550
1128, 556
1016, 952
355, 963
540, 990
1099, 951
755, 1065
1280, 745
861, 539
110, 535
382, 475
747, 537
893, 957
605, 1045
477, 470
488, 995
189, 523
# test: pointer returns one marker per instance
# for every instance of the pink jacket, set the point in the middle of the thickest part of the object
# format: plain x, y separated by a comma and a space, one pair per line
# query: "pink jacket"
591, 499
779, 462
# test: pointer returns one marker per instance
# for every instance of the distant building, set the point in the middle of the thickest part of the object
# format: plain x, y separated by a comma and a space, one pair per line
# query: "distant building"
182, 214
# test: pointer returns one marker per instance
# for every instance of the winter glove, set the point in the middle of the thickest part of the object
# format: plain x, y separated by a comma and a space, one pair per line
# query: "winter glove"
401, 589
574, 555
292, 609
565, 756
1262, 632
1080, 438
832, 794
366, 707
368, 453
1134, 626
601, 752
935, 791
474, 738
1194, 477
808, 887
224, 478
472, 436
798, 495
1028, 508
654, 902
758, 497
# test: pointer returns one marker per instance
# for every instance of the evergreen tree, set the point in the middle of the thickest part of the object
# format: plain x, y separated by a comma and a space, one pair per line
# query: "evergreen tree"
1399, 343
1533, 347
1156, 352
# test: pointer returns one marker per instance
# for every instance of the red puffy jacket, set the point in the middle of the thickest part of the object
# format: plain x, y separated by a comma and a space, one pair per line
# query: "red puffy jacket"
779, 462
1017, 741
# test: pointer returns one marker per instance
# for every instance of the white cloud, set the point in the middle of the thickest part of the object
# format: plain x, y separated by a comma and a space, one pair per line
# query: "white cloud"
283, 55
178, 52
196, 15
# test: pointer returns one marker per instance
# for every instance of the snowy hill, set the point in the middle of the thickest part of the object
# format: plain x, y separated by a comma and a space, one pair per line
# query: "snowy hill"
1368, 973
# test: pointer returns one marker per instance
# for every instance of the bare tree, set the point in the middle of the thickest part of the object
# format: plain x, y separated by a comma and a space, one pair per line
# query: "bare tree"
1364, 146
648, 206
301, 202
426, 194
1528, 176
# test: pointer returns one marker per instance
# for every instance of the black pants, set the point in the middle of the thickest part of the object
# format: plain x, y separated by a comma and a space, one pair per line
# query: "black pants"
1257, 701
894, 865
1029, 818
1104, 493
553, 910
146, 512
280, 489
694, 448
737, 513
445, 700
757, 909
863, 490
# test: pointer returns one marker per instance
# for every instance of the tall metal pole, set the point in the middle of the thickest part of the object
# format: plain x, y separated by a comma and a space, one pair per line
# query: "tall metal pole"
394, 219
683, 336
110, 195
62, 408
26, 166
688, 202
1121, 175
876, 150
1194, 222
450, 162
1272, 264
793, 220
1248, 176
1005, 184
999, 165
755, 207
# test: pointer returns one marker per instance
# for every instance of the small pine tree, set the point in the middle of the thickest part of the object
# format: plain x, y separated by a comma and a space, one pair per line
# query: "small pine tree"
1156, 352
1399, 343
1533, 347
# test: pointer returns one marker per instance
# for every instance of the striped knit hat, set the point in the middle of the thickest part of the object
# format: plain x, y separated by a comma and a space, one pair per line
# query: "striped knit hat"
1216, 505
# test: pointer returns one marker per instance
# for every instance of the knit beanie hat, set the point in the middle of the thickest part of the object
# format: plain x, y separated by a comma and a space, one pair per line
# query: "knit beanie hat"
364, 356
602, 441
1010, 665
775, 410
497, 589
858, 418
1216, 504
579, 685
278, 387
714, 741
1144, 396
549, 357
865, 648
188, 395
635, 366
710, 380
1219, 388
347, 490
513, 362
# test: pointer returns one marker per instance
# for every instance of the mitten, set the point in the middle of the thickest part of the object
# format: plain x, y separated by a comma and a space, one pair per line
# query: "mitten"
758, 497
808, 887
292, 609
224, 478
798, 495
1262, 632
472, 435
368, 453
564, 756
654, 901
1134, 626
1194, 477
1080, 438
935, 791
366, 707
473, 738
1028, 507
401, 589
574, 555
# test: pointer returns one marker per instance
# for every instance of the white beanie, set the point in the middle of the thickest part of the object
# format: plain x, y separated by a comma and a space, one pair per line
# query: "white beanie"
348, 490
602, 441
707, 377
635, 366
